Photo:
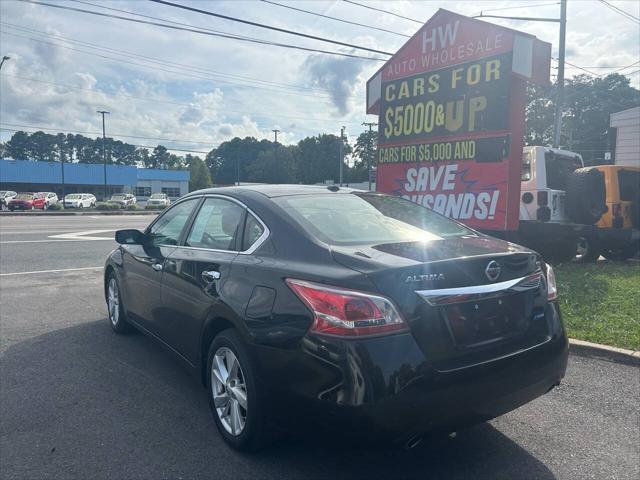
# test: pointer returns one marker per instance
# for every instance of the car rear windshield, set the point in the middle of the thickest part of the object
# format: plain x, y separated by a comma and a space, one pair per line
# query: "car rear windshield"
157, 195
117, 197
74, 196
25, 196
365, 218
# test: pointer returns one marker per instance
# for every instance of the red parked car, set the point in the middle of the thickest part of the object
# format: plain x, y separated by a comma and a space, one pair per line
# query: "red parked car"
28, 201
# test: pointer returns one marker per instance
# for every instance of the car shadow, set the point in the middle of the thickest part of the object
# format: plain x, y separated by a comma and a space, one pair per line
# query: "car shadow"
82, 402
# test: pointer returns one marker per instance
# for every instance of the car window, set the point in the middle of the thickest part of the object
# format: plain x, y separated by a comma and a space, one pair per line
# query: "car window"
363, 218
216, 225
167, 229
253, 229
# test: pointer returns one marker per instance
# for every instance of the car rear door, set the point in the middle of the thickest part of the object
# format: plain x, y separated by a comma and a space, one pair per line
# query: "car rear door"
196, 273
144, 264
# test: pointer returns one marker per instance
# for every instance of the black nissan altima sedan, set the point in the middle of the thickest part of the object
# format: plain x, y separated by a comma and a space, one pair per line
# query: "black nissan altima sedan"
357, 312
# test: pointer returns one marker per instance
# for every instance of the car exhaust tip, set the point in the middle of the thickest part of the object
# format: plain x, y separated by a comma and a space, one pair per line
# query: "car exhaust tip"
413, 442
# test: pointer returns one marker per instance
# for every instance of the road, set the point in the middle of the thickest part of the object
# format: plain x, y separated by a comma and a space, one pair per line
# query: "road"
77, 401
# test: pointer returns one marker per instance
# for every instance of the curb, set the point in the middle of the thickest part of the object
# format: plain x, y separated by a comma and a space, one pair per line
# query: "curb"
83, 213
605, 352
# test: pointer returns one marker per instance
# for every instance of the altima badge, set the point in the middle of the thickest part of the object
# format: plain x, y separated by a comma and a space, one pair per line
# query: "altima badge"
493, 270
422, 278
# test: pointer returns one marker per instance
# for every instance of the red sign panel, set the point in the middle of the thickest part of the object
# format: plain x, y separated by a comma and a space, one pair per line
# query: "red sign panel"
451, 118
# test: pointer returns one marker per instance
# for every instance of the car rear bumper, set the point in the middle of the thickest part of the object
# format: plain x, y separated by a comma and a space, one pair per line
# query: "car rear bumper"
385, 387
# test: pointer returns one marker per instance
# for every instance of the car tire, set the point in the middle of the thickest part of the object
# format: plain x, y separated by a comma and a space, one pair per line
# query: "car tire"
244, 428
588, 249
115, 309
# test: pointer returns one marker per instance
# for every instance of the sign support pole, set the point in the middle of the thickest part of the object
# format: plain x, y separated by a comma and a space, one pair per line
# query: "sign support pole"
557, 127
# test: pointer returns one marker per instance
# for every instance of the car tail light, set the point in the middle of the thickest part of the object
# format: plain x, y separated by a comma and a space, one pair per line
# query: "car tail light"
552, 288
348, 313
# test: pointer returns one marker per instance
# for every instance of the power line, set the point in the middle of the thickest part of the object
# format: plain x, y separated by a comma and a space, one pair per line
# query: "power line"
384, 11
157, 100
180, 73
619, 11
519, 6
335, 18
152, 59
175, 140
268, 27
206, 32
133, 144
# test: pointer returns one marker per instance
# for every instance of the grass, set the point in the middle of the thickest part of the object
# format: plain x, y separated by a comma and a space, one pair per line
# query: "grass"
600, 302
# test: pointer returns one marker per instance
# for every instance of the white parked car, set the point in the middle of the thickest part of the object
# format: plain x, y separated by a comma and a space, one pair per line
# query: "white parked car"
79, 200
50, 198
123, 199
5, 197
159, 199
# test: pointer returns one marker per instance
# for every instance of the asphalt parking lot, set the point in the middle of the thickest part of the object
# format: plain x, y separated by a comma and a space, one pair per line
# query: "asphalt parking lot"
77, 401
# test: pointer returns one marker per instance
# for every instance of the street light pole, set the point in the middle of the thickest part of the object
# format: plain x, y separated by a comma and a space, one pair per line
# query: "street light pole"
341, 152
370, 125
557, 121
5, 57
275, 145
104, 158
557, 126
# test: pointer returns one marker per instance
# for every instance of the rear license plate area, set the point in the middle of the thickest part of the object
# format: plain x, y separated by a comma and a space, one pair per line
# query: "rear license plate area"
474, 324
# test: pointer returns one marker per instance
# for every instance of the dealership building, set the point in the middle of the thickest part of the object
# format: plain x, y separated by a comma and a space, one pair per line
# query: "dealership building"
31, 176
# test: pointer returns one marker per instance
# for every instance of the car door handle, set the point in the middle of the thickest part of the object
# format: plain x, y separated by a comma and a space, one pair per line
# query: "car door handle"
157, 267
210, 276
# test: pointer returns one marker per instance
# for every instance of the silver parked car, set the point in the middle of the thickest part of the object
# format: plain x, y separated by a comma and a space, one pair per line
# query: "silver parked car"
123, 199
159, 200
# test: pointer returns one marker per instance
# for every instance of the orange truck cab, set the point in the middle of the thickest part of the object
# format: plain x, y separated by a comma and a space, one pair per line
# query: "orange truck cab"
618, 234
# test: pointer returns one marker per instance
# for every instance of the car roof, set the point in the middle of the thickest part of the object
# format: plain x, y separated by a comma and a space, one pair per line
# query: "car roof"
272, 191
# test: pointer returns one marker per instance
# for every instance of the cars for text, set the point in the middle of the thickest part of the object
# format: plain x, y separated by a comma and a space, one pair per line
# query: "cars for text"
159, 199
354, 312
79, 200
123, 200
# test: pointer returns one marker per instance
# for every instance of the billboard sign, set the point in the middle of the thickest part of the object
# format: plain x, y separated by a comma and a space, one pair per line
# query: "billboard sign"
451, 118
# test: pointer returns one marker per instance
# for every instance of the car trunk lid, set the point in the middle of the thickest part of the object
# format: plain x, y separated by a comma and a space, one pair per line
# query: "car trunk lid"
467, 299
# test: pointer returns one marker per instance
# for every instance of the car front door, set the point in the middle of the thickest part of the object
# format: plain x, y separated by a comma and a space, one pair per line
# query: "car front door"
143, 264
196, 272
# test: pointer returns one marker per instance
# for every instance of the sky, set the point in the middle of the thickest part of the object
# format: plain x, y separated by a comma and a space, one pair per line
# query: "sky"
190, 91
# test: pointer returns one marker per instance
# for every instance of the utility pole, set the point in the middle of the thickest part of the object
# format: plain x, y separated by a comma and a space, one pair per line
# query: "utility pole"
557, 122
5, 57
557, 126
370, 125
341, 152
104, 158
275, 145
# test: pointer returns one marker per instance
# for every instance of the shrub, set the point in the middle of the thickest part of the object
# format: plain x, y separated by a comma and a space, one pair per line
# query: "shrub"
107, 206
155, 207
56, 206
133, 206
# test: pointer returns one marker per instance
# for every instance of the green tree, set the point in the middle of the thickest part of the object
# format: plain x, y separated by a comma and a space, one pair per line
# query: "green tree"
274, 165
318, 158
233, 159
588, 104
18, 146
365, 145
200, 177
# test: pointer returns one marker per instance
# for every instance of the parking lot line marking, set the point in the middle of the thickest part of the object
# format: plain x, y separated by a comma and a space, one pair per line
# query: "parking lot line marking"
52, 240
86, 235
51, 271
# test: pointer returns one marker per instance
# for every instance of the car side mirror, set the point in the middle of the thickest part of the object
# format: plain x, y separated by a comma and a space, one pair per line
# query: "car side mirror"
130, 237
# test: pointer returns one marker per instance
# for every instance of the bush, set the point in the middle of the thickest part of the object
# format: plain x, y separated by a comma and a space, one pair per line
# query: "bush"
56, 206
133, 206
155, 207
107, 206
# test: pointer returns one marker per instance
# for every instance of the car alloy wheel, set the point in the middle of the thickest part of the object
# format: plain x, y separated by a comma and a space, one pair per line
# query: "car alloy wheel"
113, 301
229, 391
